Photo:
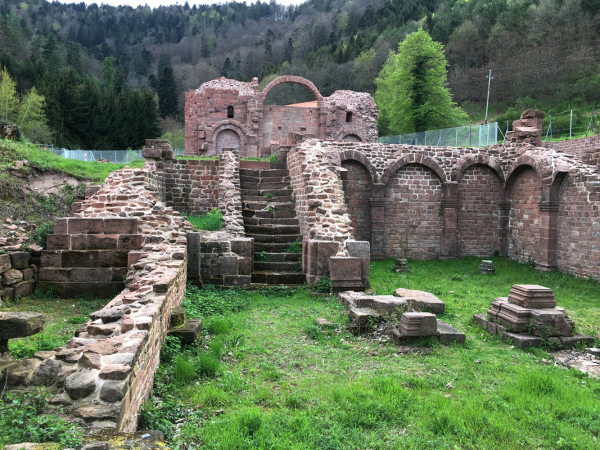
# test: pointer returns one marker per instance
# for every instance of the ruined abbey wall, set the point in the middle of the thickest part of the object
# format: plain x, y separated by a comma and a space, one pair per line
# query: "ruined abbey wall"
227, 113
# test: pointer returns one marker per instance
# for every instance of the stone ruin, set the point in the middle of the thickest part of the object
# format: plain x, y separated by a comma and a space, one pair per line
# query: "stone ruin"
227, 113
336, 203
529, 317
411, 314
17, 325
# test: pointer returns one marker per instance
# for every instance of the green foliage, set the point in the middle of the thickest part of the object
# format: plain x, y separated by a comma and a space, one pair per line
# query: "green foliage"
262, 257
411, 89
211, 301
22, 419
269, 195
211, 221
294, 247
184, 370
323, 285
218, 325
41, 232
167, 92
43, 341
273, 158
170, 349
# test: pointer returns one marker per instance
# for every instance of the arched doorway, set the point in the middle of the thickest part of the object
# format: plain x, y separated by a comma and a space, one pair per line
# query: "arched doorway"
227, 139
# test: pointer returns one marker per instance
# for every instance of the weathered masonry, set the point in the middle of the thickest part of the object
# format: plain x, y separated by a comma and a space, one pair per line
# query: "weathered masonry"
227, 113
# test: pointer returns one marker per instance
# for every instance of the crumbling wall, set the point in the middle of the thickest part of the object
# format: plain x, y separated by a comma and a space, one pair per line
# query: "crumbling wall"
358, 193
586, 149
525, 217
102, 375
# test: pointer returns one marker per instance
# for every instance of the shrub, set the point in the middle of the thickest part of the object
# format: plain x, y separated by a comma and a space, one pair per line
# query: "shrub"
262, 257
294, 247
269, 195
273, 158
211, 221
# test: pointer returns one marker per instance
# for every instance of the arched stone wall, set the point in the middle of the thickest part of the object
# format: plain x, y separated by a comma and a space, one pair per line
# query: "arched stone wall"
227, 134
413, 221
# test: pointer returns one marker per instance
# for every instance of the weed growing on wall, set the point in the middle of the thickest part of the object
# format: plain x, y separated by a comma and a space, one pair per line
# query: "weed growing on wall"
211, 221
294, 247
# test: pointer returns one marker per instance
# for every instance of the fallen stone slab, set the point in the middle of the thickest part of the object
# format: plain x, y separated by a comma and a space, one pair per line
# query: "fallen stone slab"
418, 324
388, 306
189, 332
421, 301
447, 333
18, 324
363, 319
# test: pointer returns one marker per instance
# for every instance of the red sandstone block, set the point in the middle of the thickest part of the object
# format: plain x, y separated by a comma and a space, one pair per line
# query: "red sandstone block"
50, 258
78, 225
129, 242
60, 226
121, 226
58, 242
101, 241
78, 241
54, 274
85, 258
112, 258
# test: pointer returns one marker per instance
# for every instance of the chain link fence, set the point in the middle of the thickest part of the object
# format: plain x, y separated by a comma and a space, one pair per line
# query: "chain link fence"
114, 156
469, 136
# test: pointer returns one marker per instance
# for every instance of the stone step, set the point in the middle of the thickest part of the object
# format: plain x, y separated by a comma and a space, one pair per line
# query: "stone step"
273, 229
249, 185
285, 214
272, 278
258, 221
272, 186
250, 173
274, 173
274, 238
256, 206
275, 180
247, 179
254, 286
278, 257
260, 198
276, 206
249, 193
277, 192
268, 266
270, 247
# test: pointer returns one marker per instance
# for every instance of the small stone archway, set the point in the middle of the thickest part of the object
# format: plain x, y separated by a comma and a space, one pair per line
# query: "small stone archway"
227, 134
291, 79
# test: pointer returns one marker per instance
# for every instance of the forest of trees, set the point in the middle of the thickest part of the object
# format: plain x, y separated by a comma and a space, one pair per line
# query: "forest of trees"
118, 59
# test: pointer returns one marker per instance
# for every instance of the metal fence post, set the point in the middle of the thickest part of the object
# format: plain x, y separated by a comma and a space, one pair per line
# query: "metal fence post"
571, 126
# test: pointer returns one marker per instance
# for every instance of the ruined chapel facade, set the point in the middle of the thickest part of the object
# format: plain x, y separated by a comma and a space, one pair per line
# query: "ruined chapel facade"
226, 113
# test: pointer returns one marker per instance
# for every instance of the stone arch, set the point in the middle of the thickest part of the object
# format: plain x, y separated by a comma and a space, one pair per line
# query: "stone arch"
478, 159
540, 165
413, 159
292, 79
231, 125
361, 158
358, 133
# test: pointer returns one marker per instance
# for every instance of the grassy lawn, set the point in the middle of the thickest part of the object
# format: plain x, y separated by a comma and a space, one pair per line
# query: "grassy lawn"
268, 377
45, 160
63, 317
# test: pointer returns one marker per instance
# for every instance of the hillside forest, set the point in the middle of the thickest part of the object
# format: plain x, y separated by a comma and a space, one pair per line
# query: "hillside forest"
107, 73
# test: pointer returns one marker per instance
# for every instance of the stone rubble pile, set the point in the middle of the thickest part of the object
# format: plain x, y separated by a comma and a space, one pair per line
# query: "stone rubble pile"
14, 234
406, 310
225, 84
487, 267
19, 272
529, 316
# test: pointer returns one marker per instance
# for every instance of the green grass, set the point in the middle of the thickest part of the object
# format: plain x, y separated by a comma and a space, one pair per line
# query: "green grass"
283, 382
199, 158
45, 160
63, 318
211, 221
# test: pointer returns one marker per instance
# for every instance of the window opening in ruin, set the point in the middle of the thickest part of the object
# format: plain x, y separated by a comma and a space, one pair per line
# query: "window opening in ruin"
348, 117
230, 112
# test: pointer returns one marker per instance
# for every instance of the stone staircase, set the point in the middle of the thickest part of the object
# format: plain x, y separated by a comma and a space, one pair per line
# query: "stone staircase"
270, 218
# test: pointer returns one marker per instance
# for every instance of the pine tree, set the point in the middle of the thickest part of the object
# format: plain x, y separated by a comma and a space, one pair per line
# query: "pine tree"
411, 89
167, 93
108, 72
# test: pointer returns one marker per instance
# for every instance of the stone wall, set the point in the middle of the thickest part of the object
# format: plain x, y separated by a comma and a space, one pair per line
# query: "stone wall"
586, 149
525, 202
103, 374
278, 121
19, 272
